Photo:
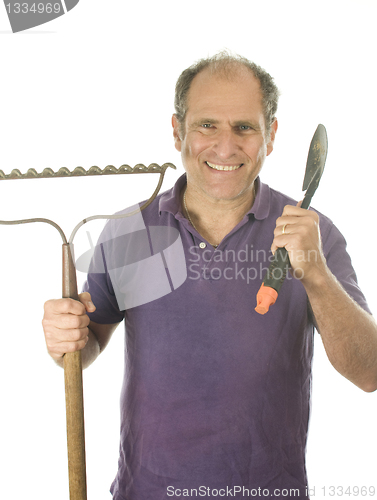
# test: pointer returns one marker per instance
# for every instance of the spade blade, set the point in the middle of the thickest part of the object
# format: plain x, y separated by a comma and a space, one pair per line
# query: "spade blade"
315, 164
316, 156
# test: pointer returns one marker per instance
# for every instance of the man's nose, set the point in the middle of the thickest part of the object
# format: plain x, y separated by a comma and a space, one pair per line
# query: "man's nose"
226, 144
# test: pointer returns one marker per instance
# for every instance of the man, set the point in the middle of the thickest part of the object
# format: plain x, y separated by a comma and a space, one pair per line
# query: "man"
216, 397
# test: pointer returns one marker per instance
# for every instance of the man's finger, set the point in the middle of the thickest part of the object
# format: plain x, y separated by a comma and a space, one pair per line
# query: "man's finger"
64, 306
86, 300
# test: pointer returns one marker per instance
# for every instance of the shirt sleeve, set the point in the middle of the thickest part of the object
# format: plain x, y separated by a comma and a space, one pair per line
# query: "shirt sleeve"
98, 284
339, 263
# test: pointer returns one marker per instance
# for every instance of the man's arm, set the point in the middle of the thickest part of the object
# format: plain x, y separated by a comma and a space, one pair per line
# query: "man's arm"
349, 333
67, 328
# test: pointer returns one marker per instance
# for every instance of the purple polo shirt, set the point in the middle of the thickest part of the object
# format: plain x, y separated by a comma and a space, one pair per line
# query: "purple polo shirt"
215, 400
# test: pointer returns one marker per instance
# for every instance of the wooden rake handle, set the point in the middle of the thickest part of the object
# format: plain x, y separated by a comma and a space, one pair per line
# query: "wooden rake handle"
74, 394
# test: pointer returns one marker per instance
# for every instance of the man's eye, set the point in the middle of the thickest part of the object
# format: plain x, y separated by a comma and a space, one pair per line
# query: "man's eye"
245, 127
206, 125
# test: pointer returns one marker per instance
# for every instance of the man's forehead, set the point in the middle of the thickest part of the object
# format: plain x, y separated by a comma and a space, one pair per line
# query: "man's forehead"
212, 94
240, 77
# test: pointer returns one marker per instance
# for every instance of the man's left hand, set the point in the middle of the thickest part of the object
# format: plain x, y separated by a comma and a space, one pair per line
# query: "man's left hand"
298, 231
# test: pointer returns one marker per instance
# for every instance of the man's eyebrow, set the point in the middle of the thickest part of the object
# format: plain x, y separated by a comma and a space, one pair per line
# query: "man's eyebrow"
200, 121
248, 123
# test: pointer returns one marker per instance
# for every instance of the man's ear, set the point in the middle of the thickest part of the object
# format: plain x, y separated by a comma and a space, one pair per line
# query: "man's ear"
176, 133
270, 144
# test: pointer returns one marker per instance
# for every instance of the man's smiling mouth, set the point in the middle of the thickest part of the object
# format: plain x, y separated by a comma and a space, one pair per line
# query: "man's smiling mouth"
223, 167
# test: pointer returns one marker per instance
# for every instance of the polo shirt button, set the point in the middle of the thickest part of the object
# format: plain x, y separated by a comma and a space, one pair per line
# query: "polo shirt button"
202, 244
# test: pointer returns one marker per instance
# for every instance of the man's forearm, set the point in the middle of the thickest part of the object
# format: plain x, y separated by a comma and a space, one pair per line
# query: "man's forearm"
349, 333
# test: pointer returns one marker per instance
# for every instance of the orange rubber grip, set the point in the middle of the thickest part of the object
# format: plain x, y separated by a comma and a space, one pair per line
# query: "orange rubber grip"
266, 297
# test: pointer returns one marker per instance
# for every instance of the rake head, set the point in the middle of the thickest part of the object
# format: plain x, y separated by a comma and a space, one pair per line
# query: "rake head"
48, 173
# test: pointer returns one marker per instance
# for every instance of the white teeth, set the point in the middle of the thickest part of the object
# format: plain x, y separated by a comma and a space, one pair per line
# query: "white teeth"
222, 167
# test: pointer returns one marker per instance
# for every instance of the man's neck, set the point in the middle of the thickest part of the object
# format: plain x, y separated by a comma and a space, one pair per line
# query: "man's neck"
215, 218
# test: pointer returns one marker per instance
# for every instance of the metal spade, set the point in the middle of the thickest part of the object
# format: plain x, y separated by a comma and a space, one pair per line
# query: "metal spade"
278, 269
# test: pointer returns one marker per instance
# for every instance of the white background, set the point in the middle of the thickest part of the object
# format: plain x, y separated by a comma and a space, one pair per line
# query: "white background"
95, 87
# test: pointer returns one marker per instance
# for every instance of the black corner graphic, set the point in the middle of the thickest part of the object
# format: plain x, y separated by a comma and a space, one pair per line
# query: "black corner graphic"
27, 14
71, 3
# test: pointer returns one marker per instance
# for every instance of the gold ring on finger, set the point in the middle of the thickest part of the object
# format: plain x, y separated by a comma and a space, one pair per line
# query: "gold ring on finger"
283, 230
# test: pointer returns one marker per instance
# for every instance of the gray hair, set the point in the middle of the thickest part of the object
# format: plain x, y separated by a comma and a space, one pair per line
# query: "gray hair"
225, 63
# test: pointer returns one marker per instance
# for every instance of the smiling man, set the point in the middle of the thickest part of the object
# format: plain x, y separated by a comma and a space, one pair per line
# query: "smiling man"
216, 397
224, 139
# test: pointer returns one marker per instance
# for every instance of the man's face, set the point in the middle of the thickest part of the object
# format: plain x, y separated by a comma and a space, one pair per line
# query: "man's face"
225, 141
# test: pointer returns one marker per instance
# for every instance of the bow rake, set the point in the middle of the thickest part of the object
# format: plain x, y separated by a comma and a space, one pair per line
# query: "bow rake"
72, 361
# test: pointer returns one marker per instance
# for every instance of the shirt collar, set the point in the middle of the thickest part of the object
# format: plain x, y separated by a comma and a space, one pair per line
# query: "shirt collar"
170, 201
261, 205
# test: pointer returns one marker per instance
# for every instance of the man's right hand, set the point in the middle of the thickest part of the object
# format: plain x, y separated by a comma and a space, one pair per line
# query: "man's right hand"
65, 324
